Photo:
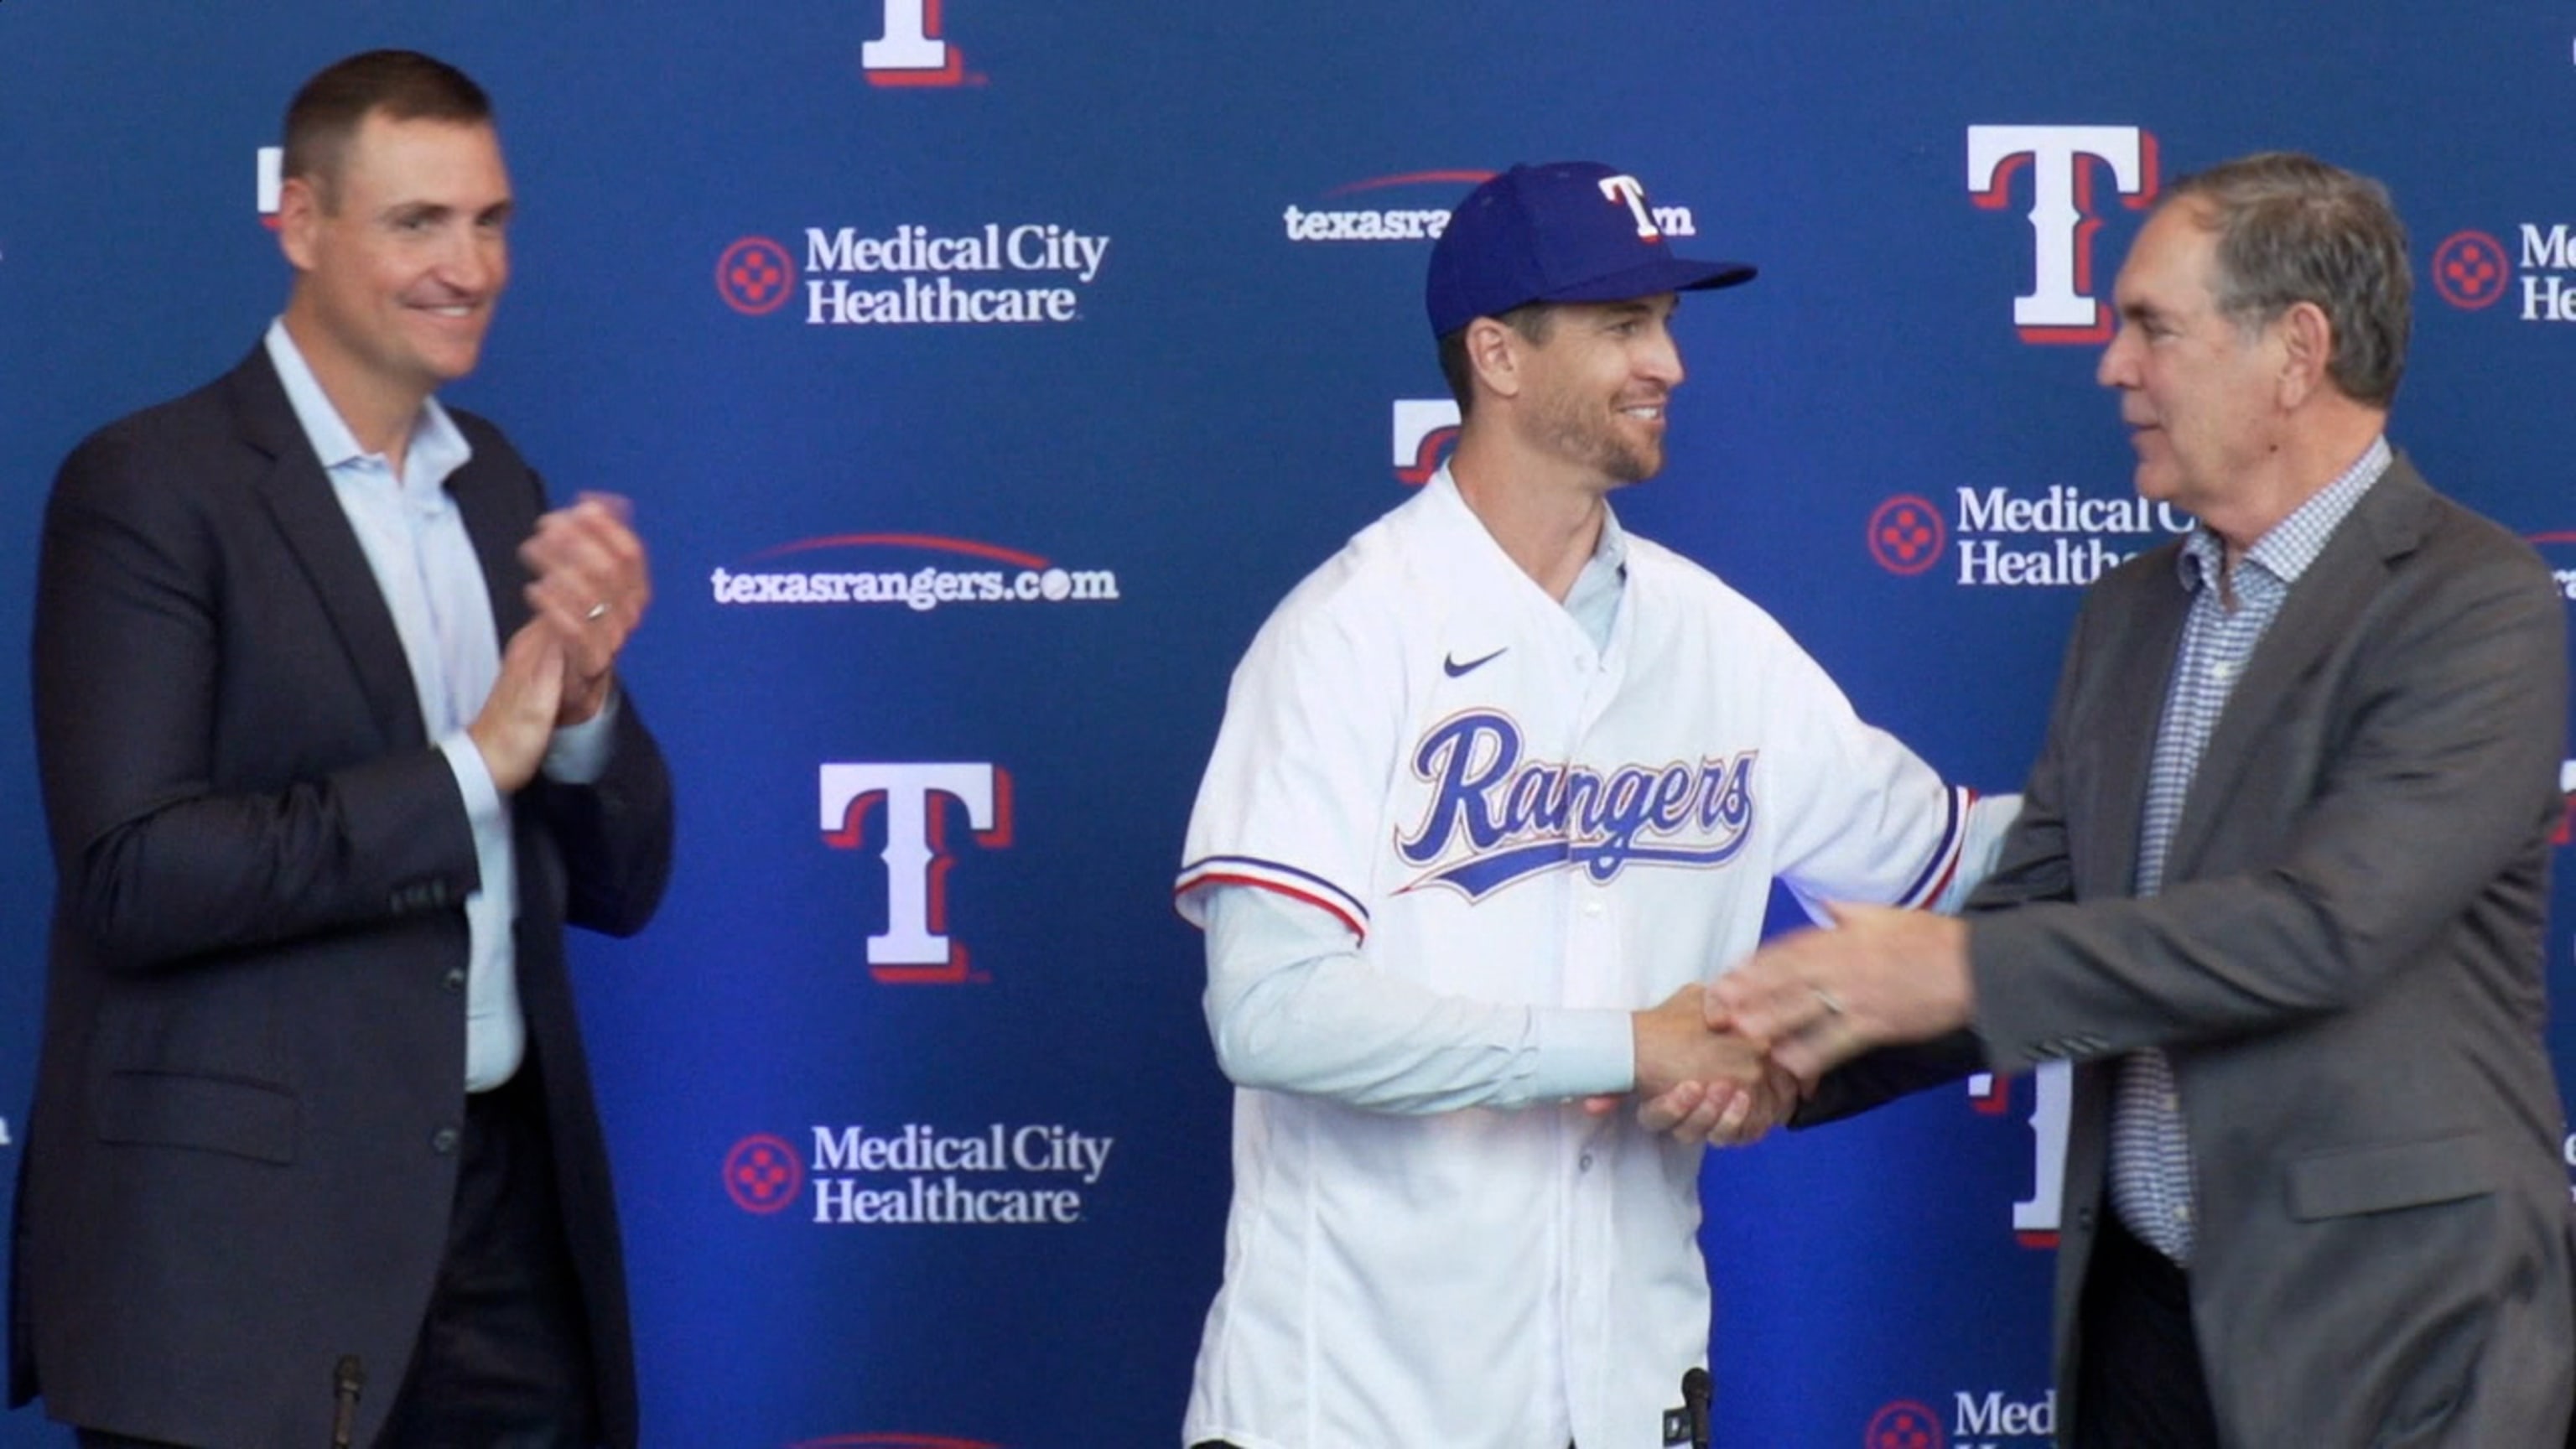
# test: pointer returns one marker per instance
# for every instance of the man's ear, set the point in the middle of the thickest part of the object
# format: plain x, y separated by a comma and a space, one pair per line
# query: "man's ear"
2307, 352
1494, 351
299, 220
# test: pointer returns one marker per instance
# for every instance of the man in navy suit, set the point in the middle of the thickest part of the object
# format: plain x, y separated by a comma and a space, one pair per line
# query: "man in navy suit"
332, 748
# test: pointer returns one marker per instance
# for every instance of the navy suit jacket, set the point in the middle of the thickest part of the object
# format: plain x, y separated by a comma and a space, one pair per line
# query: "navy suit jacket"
241, 1157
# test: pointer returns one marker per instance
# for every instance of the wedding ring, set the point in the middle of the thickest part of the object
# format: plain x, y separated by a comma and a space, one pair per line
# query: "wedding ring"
1832, 1004
597, 613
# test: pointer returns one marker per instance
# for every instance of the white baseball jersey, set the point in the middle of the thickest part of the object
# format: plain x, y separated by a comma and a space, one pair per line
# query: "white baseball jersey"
1536, 832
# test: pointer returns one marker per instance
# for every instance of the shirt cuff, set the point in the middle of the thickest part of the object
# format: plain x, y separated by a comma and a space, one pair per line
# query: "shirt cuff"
578, 754
1582, 1053
483, 805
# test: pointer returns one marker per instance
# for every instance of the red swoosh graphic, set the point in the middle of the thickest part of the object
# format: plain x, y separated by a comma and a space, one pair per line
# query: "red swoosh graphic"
1412, 178
910, 540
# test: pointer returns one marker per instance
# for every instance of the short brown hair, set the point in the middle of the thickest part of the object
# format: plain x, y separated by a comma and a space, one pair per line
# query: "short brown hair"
1532, 320
404, 84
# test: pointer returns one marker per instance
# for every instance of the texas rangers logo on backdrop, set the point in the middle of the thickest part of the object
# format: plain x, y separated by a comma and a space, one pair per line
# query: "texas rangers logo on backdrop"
915, 948
2037, 1218
1413, 206
1424, 429
910, 49
2061, 162
1495, 819
269, 180
2474, 270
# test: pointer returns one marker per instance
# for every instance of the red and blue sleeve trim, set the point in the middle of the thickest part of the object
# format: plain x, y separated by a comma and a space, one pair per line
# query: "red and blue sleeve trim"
1271, 875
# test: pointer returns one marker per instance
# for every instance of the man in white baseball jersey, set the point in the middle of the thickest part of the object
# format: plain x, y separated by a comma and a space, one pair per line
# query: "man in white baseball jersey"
1497, 788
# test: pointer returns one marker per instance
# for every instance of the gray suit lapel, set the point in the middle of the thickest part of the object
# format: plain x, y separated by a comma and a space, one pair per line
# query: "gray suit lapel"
2137, 672
2315, 619
317, 534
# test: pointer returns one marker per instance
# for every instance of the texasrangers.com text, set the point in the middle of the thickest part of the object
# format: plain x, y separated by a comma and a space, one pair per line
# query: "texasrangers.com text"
922, 589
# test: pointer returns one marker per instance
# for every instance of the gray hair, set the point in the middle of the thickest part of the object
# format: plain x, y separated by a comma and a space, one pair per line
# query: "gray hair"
2293, 229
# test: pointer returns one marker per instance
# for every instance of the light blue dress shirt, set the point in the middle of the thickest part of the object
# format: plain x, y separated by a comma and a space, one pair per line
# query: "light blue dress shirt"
2153, 1184
424, 563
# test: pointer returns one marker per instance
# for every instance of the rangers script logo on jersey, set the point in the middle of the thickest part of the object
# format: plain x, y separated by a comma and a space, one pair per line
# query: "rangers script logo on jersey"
1495, 819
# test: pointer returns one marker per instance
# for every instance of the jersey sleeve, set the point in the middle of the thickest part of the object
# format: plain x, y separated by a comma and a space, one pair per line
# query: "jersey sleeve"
1290, 820
1295, 791
1863, 818
1292, 1007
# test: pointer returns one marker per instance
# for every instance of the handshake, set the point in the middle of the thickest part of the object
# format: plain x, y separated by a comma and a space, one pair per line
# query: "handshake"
1726, 1062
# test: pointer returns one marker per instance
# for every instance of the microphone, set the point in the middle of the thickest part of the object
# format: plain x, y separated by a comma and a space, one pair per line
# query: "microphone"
347, 1377
1695, 1393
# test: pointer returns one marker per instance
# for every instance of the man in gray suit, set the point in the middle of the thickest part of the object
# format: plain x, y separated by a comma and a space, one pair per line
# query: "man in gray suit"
2277, 889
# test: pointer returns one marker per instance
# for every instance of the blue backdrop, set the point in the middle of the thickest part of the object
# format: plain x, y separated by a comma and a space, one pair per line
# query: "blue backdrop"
983, 373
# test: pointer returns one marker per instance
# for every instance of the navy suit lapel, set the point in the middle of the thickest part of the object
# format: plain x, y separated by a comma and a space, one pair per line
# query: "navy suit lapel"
2314, 621
497, 522
317, 533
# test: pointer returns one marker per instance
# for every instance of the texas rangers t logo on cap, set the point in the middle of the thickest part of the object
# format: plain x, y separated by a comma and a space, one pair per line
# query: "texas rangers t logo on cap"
1544, 234
1632, 191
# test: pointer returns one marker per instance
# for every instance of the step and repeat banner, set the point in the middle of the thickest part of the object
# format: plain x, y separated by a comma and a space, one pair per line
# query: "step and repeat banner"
982, 374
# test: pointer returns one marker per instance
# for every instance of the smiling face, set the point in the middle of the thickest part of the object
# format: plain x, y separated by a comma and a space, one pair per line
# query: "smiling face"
2199, 390
400, 258
1595, 391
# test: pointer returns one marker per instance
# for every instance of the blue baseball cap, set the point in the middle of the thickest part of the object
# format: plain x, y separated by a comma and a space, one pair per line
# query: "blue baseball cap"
1570, 231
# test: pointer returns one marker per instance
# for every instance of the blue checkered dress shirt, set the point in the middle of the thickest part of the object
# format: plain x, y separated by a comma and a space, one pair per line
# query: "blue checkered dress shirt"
2151, 1170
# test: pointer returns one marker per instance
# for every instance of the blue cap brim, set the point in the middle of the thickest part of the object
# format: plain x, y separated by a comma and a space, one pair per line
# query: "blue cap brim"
1664, 274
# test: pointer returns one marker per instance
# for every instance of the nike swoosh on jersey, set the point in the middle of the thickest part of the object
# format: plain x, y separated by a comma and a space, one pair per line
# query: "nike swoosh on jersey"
1449, 663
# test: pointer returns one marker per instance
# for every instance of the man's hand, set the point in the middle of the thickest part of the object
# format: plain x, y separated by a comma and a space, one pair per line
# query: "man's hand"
1700, 1084
1720, 1115
518, 717
591, 589
1819, 998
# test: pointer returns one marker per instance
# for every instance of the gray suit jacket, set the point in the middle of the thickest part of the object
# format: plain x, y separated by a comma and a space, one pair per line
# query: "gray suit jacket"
2346, 966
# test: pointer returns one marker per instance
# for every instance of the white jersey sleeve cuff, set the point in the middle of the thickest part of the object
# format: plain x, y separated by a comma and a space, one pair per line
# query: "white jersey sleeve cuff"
1582, 1053
1990, 818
